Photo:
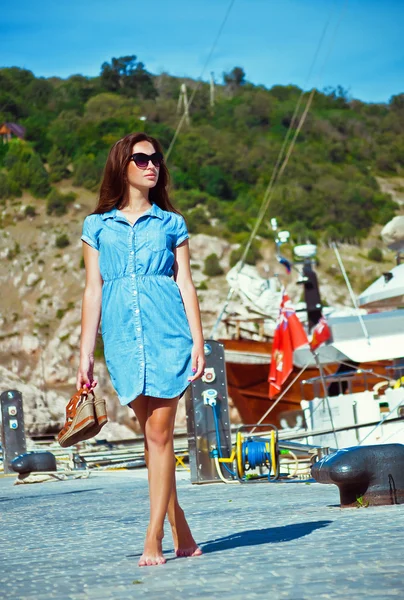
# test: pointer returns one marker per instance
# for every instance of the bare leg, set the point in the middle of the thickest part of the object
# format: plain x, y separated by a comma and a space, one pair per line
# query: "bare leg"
184, 543
159, 429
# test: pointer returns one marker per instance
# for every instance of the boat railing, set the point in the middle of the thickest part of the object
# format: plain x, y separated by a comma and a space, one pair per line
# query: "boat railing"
235, 327
395, 371
342, 383
349, 381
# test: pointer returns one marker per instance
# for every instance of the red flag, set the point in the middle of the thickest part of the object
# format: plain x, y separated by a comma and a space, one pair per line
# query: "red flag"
321, 333
289, 335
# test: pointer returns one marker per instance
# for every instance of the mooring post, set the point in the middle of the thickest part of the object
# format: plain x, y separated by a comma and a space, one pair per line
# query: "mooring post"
365, 475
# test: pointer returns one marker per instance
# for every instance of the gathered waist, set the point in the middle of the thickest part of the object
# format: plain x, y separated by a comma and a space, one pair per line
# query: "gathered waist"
135, 276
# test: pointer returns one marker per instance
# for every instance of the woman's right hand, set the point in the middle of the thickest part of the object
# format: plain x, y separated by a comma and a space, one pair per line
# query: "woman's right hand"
85, 376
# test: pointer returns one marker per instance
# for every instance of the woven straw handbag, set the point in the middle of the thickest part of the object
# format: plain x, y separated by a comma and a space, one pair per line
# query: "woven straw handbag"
85, 417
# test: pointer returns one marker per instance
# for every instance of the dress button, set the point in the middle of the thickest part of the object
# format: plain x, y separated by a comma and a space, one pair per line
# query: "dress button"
137, 328
133, 276
134, 292
131, 252
137, 311
141, 346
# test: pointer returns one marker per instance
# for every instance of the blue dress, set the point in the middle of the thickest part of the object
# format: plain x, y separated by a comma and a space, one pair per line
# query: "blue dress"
147, 340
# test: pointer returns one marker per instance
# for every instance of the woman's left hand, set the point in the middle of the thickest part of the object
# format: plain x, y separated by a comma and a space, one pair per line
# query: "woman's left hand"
198, 362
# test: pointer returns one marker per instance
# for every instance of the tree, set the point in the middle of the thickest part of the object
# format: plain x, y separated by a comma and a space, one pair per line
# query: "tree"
62, 241
17, 160
30, 211
38, 93
88, 171
38, 177
58, 163
237, 222
4, 187
112, 75
140, 83
108, 106
375, 254
197, 219
18, 152
253, 255
36, 131
235, 78
127, 75
397, 103
63, 131
14, 83
74, 92
214, 182
58, 203
212, 266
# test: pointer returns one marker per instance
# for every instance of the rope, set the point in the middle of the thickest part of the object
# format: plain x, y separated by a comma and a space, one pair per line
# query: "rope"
294, 458
277, 174
350, 290
181, 121
280, 397
264, 207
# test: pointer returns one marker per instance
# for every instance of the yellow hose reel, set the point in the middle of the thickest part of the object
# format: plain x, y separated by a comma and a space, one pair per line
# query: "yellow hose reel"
271, 450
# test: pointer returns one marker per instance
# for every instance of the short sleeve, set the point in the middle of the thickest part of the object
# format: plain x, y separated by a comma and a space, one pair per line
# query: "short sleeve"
181, 231
90, 231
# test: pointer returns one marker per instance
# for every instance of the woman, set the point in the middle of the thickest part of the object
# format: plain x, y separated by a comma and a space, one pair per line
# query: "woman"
138, 281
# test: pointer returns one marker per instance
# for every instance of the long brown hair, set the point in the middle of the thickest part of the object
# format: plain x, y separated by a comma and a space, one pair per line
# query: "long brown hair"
114, 182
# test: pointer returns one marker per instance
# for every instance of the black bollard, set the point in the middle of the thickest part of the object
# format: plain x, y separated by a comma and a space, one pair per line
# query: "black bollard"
34, 461
365, 475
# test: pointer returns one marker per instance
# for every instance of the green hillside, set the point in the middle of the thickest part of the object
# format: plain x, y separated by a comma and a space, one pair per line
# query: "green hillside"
222, 160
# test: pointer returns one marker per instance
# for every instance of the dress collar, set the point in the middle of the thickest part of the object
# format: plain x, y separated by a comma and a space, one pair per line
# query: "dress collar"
153, 211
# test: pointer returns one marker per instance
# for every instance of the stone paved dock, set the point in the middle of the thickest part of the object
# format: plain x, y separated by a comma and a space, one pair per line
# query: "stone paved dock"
81, 539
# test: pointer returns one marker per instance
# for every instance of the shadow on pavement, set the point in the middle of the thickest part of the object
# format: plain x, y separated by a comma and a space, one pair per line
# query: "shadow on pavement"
256, 537
37, 496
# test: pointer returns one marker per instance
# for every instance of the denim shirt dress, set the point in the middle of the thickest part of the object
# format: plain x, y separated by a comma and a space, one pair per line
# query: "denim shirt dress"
146, 335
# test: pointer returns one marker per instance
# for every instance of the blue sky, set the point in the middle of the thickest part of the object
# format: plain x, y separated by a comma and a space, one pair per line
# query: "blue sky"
273, 40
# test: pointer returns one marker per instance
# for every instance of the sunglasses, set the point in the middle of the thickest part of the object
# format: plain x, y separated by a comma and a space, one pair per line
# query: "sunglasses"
142, 160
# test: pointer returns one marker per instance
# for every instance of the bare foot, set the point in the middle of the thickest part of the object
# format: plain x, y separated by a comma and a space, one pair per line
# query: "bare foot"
153, 551
184, 542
